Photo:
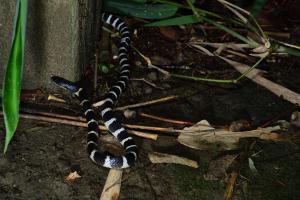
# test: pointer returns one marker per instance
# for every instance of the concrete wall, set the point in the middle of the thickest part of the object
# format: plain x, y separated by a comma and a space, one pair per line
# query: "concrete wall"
60, 39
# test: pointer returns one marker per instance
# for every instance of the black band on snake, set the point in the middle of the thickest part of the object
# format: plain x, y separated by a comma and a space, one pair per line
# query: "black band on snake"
114, 126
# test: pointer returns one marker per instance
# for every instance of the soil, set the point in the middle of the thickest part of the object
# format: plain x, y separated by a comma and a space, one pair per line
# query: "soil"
43, 154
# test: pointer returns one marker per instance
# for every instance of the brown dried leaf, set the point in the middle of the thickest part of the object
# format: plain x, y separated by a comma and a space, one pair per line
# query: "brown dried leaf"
169, 32
73, 176
203, 136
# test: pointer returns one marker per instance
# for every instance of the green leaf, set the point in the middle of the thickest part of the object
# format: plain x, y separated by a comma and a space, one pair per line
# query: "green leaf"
258, 6
188, 19
145, 11
13, 75
139, 1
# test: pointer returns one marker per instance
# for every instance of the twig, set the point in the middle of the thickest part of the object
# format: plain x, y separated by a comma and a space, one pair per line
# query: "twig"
147, 82
149, 63
54, 98
111, 190
144, 135
147, 103
51, 114
156, 157
74, 121
230, 185
152, 128
166, 120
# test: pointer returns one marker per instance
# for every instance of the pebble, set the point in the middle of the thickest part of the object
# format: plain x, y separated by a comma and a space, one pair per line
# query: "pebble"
129, 114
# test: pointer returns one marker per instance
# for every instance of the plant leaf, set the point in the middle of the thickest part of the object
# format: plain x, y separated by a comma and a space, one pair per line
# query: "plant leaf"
13, 76
139, 1
176, 21
140, 10
258, 7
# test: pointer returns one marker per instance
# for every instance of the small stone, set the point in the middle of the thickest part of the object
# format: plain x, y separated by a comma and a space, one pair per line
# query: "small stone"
129, 114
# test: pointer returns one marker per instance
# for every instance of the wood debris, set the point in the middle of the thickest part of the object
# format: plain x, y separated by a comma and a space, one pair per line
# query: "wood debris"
111, 190
156, 157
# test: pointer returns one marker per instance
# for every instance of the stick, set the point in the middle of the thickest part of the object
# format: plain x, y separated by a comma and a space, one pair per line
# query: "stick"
80, 124
111, 190
150, 65
156, 157
52, 114
147, 82
230, 185
144, 135
152, 128
275, 88
166, 120
54, 98
147, 103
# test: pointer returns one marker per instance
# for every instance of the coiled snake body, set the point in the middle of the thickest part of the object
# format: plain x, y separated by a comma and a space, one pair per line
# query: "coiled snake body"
114, 126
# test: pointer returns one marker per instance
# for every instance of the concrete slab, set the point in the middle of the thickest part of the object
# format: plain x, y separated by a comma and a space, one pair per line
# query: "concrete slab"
60, 39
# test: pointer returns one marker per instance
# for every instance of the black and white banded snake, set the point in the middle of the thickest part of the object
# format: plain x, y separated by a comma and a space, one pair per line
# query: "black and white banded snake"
114, 126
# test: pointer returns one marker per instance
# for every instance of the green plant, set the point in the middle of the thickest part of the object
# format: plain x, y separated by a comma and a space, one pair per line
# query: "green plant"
13, 75
258, 7
261, 47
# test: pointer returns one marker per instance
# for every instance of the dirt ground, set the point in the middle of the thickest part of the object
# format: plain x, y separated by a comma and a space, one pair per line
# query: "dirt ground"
43, 154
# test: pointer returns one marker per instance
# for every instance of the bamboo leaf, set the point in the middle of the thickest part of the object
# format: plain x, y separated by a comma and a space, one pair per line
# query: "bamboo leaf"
13, 76
258, 7
177, 21
134, 9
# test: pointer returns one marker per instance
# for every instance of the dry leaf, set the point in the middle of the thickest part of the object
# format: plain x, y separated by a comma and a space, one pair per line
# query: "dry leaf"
73, 176
203, 136
169, 32
156, 157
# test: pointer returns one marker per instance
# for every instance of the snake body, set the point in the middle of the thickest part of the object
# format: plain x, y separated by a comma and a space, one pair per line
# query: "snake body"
114, 126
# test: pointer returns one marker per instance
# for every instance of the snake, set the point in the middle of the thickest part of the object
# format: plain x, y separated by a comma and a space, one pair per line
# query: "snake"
113, 124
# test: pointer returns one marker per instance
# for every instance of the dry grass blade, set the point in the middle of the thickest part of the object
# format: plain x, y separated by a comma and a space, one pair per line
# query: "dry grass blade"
147, 103
137, 105
235, 9
231, 45
275, 88
230, 185
156, 157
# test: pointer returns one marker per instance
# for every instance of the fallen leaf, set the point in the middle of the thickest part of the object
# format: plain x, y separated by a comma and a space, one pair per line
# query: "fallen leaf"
73, 176
204, 137
169, 32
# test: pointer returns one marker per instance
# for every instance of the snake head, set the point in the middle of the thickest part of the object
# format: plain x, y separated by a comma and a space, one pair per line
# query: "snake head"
65, 84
